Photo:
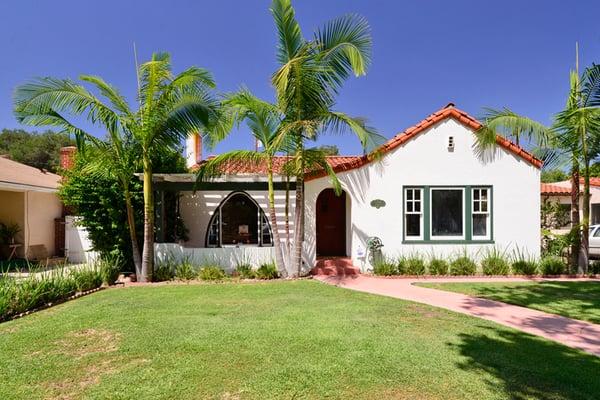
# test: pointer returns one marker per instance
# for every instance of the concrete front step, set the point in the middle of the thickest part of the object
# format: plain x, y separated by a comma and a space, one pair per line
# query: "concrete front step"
341, 266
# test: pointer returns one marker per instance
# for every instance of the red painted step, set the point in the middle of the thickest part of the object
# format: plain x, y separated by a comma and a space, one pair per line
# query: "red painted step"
339, 266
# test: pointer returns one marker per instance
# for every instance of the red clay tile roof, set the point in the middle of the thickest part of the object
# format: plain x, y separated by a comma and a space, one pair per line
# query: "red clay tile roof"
549, 189
346, 163
12, 172
593, 181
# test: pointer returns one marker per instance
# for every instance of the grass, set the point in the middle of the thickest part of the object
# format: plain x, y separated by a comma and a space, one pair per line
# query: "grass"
286, 340
579, 300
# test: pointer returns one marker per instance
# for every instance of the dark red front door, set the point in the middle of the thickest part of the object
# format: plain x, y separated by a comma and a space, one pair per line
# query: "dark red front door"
331, 224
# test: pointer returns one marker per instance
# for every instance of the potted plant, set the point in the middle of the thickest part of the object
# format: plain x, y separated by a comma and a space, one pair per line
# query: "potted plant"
8, 232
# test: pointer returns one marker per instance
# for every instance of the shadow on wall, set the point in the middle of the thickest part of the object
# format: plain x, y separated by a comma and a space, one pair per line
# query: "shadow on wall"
526, 367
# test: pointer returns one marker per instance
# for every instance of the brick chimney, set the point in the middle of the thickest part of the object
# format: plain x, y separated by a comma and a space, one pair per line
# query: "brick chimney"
67, 157
193, 150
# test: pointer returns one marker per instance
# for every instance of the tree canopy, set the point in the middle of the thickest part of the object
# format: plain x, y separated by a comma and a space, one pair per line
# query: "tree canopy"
40, 150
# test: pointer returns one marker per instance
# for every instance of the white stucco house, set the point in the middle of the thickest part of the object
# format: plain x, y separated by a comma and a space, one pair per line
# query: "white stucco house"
431, 190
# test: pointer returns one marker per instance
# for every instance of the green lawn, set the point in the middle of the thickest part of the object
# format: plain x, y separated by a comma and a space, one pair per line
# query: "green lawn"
288, 340
579, 300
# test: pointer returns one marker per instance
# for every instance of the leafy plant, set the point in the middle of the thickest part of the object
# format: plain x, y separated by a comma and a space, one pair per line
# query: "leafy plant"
438, 266
463, 265
212, 273
110, 268
245, 271
267, 271
595, 267
8, 232
385, 267
523, 264
87, 278
495, 262
553, 265
185, 271
414, 265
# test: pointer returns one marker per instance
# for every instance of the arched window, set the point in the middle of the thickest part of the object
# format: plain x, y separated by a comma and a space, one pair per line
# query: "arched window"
238, 221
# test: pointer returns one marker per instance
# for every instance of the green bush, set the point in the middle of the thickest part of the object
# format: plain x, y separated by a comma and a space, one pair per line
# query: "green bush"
36, 290
245, 271
87, 278
267, 271
185, 271
414, 265
495, 263
552, 265
163, 272
110, 269
385, 267
211, 273
594, 267
437, 266
463, 265
524, 267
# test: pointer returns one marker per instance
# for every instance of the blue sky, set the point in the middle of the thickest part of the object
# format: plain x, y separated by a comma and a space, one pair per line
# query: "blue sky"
426, 53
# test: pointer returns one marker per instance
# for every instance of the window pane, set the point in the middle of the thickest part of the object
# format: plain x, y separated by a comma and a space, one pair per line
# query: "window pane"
476, 194
476, 206
418, 206
417, 194
409, 206
480, 225
409, 194
484, 206
446, 212
484, 194
239, 221
413, 225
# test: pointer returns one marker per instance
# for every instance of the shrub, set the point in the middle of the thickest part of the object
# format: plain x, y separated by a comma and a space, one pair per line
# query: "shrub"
185, 271
245, 271
524, 267
552, 265
463, 265
87, 278
211, 273
414, 265
385, 267
437, 266
495, 263
267, 271
163, 272
594, 268
110, 268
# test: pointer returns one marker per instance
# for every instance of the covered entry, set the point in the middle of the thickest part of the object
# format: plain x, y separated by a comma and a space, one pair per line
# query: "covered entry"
331, 224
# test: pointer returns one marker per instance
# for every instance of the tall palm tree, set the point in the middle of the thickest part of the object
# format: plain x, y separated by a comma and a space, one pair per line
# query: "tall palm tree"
309, 77
264, 121
170, 108
573, 138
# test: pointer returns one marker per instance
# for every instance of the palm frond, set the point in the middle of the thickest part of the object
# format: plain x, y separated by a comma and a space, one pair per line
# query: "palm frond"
591, 86
340, 122
288, 29
110, 92
510, 124
316, 159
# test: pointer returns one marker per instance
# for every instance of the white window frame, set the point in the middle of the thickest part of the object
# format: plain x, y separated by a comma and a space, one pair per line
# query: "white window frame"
486, 213
413, 212
449, 238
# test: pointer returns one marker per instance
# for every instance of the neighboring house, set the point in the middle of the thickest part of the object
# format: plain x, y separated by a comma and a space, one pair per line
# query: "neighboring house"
28, 198
560, 193
432, 191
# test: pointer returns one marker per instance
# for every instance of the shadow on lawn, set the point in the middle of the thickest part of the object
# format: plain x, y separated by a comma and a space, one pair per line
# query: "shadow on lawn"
583, 297
525, 367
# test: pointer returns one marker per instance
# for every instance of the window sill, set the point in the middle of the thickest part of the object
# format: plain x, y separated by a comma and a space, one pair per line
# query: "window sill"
458, 241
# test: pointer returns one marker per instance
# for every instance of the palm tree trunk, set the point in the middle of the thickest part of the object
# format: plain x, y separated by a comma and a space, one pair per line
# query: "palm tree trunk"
287, 212
135, 249
281, 267
576, 244
148, 251
585, 222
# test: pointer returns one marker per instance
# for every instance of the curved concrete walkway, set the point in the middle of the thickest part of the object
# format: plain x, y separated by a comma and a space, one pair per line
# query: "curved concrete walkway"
570, 332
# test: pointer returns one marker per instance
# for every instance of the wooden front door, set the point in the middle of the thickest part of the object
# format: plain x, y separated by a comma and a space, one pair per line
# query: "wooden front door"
331, 224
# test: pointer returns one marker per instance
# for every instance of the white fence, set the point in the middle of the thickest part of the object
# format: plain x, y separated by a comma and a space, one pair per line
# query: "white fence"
78, 247
226, 257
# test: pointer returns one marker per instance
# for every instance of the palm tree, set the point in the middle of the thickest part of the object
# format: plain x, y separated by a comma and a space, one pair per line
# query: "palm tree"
170, 108
573, 138
264, 121
309, 77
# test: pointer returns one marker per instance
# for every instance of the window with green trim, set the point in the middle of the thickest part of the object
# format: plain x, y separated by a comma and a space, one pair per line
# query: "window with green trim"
447, 214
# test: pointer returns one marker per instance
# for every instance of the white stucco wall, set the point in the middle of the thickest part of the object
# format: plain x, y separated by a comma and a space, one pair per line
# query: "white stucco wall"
426, 160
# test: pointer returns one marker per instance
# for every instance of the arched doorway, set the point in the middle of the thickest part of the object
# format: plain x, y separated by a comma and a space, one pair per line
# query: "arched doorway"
331, 224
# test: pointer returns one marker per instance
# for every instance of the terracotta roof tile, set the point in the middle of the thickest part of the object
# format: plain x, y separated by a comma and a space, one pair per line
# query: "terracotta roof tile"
549, 189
